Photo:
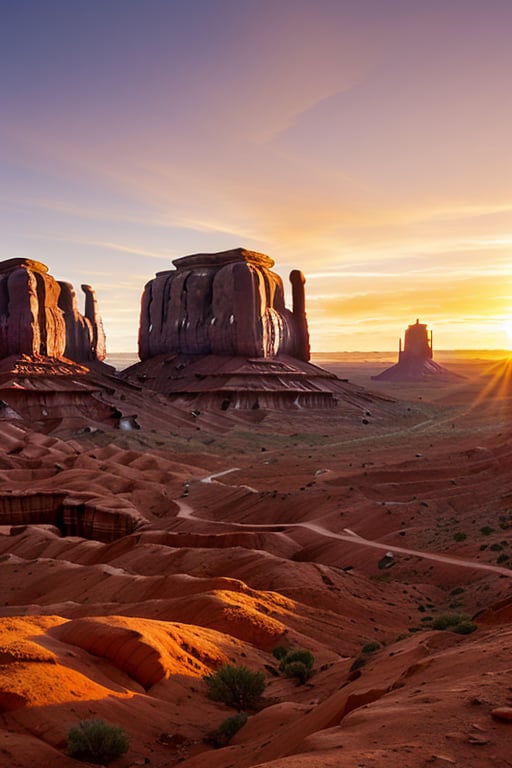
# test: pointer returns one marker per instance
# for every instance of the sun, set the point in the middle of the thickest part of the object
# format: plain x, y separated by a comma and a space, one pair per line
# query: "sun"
507, 325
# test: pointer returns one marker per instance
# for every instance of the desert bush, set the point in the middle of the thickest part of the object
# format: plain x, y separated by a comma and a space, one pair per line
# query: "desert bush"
237, 687
297, 663
370, 647
451, 621
298, 670
486, 530
97, 742
280, 652
305, 657
464, 628
222, 735
460, 536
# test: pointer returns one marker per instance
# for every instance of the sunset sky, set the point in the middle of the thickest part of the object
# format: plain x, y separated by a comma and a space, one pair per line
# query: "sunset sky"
366, 142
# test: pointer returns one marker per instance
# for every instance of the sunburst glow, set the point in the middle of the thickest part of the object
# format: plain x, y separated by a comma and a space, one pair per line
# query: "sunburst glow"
507, 325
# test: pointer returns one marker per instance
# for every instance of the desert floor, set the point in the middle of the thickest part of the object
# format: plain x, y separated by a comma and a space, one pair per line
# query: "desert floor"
258, 531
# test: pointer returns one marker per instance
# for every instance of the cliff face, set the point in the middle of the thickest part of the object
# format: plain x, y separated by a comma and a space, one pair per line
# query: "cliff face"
73, 515
227, 303
39, 315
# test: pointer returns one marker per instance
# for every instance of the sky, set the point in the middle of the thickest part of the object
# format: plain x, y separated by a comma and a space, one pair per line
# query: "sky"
367, 143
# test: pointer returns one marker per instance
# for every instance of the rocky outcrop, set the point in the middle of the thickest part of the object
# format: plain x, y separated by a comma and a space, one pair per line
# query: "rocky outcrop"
415, 361
39, 315
227, 303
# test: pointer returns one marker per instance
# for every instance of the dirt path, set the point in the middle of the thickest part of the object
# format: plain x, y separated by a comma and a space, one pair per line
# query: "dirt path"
187, 511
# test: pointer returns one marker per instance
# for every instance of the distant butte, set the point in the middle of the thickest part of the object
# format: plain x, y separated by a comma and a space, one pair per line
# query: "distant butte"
215, 333
415, 360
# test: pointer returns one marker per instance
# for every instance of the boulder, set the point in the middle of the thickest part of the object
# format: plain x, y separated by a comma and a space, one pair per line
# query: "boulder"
227, 303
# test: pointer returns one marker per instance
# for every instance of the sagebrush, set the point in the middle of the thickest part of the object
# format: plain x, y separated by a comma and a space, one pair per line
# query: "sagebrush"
295, 662
222, 735
236, 686
97, 742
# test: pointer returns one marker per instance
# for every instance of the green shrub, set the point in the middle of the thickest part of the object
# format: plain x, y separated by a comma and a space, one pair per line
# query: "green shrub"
370, 647
450, 621
305, 657
464, 628
222, 735
280, 652
502, 558
238, 687
486, 530
298, 670
97, 742
459, 536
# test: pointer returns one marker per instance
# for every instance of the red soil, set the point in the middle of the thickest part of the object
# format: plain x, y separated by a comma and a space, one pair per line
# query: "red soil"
282, 549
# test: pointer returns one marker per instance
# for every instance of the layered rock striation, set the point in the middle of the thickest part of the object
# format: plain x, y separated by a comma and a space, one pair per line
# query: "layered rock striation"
228, 304
39, 315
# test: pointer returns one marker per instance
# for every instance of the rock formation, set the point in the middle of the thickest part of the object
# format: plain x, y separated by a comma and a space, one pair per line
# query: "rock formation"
215, 335
227, 303
39, 315
415, 361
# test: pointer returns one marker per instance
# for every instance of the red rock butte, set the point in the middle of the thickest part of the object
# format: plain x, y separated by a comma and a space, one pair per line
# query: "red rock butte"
215, 332
415, 360
227, 303
39, 315
48, 350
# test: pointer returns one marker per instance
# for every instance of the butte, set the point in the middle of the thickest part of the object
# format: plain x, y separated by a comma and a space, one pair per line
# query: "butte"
215, 334
50, 354
415, 360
